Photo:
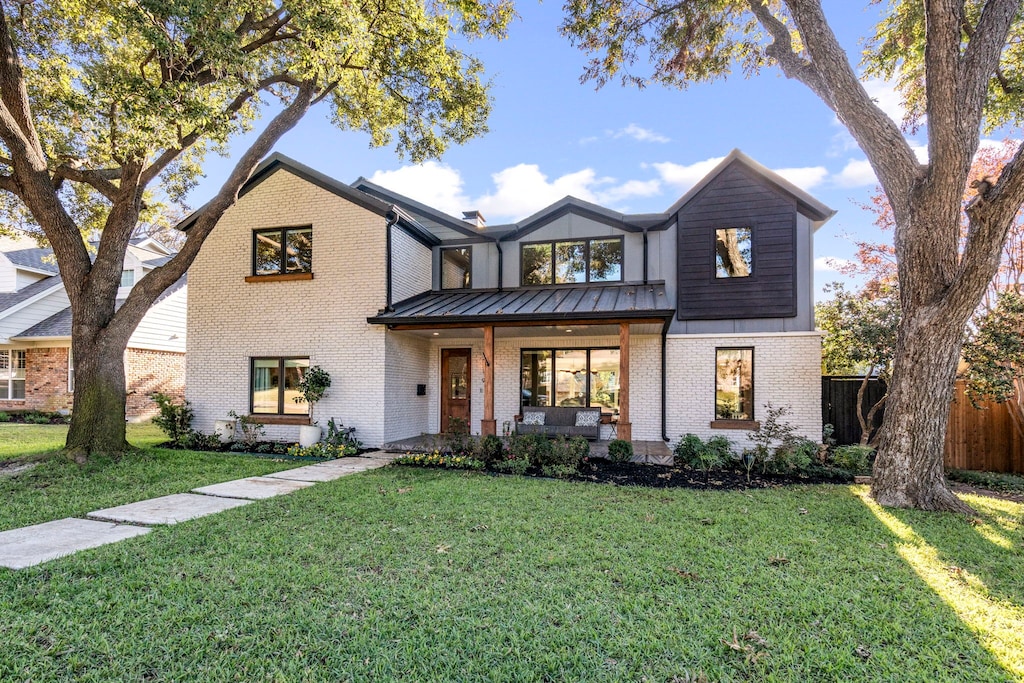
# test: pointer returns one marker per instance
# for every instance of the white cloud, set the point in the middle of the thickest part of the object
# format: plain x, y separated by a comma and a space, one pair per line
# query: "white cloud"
856, 173
518, 191
684, 177
804, 178
435, 184
639, 134
829, 263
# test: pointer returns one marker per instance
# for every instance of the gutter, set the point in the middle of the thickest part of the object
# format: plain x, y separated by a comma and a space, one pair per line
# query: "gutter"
391, 218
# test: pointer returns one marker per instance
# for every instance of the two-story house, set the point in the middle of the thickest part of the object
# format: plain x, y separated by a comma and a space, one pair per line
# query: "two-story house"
689, 320
36, 363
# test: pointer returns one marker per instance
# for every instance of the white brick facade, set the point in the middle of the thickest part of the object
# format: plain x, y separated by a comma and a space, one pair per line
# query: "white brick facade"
787, 372
231, 320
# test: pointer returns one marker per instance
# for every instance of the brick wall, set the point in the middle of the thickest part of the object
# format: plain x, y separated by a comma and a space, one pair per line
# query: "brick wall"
787, 372
231, 320
148, 372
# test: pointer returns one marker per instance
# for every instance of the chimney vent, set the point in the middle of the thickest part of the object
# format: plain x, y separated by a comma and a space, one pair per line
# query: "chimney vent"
474, 217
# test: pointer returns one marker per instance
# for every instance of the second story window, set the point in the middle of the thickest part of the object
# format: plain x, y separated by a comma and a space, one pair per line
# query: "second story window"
572, 261
282, 251
456, 268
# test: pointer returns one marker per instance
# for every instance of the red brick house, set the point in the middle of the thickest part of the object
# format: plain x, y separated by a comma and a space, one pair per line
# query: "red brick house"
36, 364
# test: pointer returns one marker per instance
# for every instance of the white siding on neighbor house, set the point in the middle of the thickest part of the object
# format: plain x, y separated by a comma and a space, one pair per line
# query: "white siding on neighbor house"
407, 364
231, 321
34, 313
163, 328
25, 278
410, 265
644, 387
787, 372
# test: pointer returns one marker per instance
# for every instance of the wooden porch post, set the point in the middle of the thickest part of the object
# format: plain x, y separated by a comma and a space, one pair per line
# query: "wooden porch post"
624, 430
488, 424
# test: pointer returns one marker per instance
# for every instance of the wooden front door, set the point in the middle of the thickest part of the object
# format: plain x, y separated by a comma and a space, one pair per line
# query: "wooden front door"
454, 386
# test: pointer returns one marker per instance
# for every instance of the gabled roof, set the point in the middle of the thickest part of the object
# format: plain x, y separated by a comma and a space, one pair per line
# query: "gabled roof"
58, 325
595, 301
277, 162
807, 204
37, 259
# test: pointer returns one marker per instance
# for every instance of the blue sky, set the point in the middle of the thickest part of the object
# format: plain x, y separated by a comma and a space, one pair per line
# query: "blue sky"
632, 150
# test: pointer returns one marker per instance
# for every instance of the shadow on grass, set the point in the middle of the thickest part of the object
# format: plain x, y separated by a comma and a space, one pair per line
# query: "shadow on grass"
973, 565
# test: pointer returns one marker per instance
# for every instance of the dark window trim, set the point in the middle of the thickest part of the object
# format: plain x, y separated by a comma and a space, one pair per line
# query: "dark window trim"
586, 241
721, 422
554, 386
284, 262
469, 285
280, 389
751, 225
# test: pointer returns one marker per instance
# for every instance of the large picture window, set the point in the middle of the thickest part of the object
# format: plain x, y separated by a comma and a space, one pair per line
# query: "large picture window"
274, 386
282, 251
734, 384
572, 261
456, 268
571, 377
12, 374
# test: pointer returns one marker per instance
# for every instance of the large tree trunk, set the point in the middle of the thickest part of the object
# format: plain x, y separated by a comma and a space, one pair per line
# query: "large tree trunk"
98, 426
908, 471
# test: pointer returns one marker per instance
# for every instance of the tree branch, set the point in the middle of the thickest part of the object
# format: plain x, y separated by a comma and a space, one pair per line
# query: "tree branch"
153, 284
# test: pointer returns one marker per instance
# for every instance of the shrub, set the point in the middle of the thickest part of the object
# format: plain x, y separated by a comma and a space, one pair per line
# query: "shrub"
175, 419
5, 417
620, 450
854, 458
490, 450
562, 457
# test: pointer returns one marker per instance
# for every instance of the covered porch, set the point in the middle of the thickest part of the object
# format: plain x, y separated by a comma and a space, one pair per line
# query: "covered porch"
492, 353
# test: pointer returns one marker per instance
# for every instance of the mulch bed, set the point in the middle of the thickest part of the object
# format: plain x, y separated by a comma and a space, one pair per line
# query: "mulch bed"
657, 476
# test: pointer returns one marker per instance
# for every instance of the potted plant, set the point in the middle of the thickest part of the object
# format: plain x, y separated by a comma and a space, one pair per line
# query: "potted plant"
313, 386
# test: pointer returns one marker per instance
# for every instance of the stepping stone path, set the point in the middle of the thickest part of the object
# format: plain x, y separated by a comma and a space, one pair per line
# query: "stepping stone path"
29, 546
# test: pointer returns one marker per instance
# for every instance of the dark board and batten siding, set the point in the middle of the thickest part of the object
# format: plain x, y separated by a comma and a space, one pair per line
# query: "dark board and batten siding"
738, 198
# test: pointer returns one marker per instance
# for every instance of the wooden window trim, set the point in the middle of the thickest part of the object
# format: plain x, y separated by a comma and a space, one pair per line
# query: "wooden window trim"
269, 418
743, 424
586, 241
290, 277
284, 261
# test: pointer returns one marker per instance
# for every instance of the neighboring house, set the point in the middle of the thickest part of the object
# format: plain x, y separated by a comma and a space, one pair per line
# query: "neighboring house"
36, 363
689, 320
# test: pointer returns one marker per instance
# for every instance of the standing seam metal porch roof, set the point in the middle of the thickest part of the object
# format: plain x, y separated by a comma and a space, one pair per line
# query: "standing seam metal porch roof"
604, 301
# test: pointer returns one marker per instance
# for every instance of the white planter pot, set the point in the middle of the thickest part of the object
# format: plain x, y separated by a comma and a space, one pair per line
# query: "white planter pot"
224, 429
309, 435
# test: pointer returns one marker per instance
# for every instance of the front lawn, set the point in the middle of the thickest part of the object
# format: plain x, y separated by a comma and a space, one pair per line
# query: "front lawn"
57, 488
422, 575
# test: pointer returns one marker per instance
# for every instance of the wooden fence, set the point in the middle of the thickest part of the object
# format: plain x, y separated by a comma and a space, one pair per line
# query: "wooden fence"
976, 439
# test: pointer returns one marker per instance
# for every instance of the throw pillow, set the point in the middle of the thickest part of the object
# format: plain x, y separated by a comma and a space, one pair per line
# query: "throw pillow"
588, 418
533, 418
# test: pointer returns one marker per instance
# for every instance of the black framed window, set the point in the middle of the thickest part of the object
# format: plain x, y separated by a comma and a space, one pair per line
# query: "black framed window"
734, 384
734, 252
456, 268
571, 261
280, 251
570, 377
274, 386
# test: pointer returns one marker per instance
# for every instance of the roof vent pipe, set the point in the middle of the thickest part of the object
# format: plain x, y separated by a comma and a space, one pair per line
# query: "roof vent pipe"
476, 218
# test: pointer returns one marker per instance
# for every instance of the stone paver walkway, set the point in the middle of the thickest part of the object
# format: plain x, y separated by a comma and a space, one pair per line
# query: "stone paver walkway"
29, 546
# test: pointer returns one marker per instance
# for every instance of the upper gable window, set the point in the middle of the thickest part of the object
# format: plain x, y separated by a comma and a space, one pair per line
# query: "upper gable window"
456, 268
572, 261
282, 251
734, 255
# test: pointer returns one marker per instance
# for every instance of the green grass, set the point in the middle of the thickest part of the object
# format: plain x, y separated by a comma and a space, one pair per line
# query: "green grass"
57, 488
420, 575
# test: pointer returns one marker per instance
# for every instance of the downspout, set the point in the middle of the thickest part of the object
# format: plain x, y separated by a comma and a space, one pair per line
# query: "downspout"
645, 256
501, 263
391, 217
664, 380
